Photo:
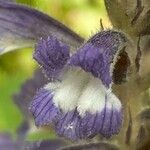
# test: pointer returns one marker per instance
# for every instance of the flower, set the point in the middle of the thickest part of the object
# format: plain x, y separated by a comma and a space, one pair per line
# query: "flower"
79, 100
22, 27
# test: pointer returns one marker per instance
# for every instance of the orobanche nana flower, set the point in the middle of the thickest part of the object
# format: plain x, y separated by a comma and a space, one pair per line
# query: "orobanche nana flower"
79, 100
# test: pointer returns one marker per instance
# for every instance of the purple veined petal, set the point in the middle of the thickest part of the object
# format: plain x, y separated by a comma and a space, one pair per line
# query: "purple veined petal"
43, 108
67, 125
89, 125
112, 116
92, 98
107, 122
21, 26
99, 55
100, 111
52, 55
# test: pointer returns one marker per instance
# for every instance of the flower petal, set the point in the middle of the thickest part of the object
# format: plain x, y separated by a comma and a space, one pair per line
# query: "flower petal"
111, 116
43, 108
100, 111
52, 55
67, 124
99, 54
90, 125
70, 88
106, 122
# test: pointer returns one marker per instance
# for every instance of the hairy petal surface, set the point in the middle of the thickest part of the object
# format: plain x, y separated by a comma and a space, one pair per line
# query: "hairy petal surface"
52, 55
21, 26
98, 111
112, 116
67, 125
99, 54
70, 89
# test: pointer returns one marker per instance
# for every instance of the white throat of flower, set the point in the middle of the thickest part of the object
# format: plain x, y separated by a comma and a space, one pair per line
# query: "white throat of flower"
81, 90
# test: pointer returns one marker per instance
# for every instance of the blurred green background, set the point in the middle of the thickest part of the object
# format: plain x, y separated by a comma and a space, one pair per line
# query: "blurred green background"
82, 16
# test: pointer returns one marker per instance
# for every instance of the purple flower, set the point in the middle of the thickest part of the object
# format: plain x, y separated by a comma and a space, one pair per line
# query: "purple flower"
79, 100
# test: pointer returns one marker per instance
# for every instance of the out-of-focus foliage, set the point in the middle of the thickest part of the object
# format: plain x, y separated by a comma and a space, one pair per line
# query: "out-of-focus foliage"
82, 16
